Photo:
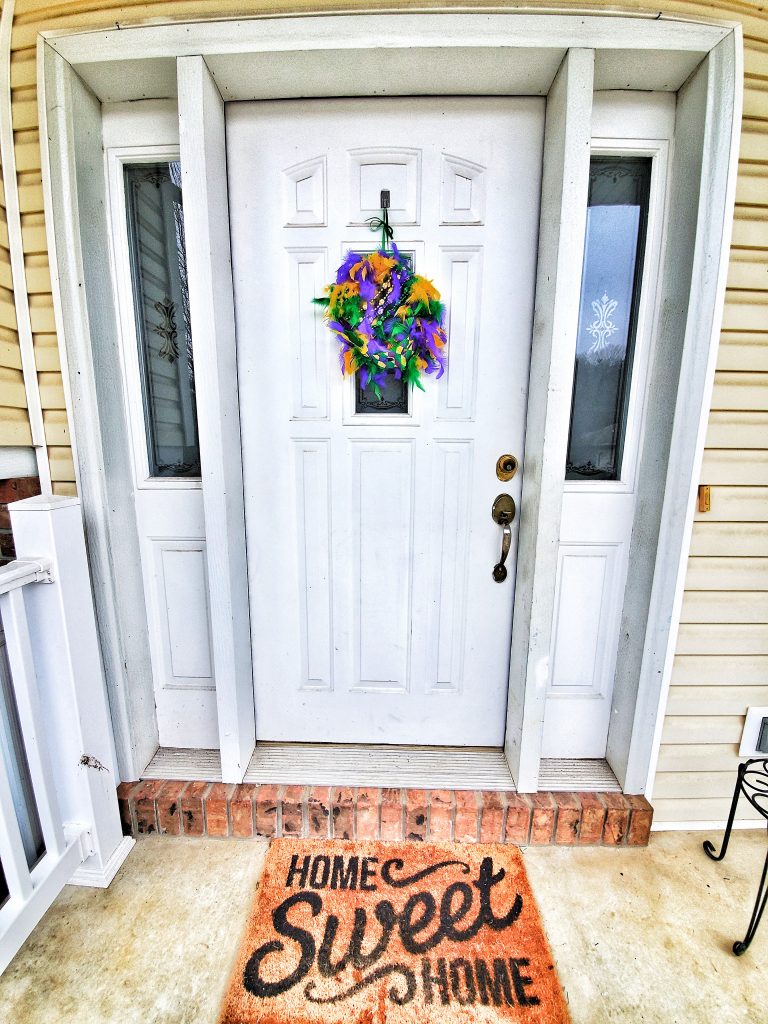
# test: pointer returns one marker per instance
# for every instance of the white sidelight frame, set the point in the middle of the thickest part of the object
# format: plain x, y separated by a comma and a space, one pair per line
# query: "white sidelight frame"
566, 58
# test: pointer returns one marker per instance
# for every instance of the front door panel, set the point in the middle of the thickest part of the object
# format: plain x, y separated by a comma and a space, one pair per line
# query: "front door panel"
375, 615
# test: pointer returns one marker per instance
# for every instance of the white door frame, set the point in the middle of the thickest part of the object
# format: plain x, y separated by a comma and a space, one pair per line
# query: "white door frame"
562, 56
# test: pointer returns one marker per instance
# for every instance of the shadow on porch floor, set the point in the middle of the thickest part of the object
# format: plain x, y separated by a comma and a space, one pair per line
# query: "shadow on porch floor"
638, 935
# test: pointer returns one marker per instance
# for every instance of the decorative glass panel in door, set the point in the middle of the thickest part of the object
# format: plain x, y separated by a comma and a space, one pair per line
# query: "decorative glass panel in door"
161, 301
610, 288
393, 391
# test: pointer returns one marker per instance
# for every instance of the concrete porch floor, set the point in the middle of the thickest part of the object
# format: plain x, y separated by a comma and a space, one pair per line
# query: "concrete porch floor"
637, 934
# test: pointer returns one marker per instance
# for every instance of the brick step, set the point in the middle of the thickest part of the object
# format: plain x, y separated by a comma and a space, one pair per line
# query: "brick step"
173, 808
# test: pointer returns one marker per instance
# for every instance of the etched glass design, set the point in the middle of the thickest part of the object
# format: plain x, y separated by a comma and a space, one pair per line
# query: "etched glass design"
161, 305
610, 290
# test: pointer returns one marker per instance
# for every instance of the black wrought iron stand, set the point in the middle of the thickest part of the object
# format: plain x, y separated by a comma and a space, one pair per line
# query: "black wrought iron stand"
752, 781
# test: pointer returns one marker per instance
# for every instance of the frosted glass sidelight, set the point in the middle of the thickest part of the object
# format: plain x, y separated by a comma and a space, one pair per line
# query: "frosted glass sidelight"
610, 289
161, 304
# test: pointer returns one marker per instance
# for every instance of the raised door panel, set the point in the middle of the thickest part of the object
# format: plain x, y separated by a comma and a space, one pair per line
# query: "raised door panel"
183, 663
587, 610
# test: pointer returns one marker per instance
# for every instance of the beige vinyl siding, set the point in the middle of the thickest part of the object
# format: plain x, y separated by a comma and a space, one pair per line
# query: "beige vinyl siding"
14, 421
722, 663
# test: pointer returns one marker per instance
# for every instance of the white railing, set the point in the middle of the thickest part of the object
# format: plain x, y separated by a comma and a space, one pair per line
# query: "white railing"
58, 688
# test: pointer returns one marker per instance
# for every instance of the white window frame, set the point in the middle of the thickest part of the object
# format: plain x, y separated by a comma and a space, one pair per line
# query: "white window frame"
225, 60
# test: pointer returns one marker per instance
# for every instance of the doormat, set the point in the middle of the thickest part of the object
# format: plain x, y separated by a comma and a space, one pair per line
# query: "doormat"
348, 932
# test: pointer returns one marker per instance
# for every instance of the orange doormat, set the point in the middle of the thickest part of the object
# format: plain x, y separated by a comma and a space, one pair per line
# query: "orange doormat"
348, 932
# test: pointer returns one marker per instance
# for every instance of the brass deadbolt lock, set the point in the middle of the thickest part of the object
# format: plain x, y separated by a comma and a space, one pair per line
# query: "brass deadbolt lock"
506, 467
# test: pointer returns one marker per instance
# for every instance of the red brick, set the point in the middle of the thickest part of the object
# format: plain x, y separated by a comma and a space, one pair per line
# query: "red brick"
7, 545
592, 819
5, 518
293, 812
143, 799
465, 822
319, 812
640, 821
492, 812
16, 488
267, 799
193, 820
543, 818
415, 814
241, 810
568, 819
616, 819
440, 815
518, 827
169, 808
343, 814
124, 791
367, 814
217, 810
391, 815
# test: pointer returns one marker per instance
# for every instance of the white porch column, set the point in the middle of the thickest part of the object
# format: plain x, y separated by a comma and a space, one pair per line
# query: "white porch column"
70, 680
211, 303
564, 195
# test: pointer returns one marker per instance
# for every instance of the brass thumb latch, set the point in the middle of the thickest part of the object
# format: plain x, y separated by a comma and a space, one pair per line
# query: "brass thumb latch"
503, 512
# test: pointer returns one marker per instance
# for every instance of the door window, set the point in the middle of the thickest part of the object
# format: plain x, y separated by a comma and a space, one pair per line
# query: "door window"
393, 392
161, 305
610, 290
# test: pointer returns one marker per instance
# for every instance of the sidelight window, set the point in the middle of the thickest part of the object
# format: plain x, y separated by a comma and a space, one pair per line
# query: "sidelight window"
161, 305
610, 290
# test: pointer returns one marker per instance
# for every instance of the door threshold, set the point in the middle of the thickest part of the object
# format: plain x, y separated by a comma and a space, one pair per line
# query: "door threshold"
576, 774
346, 764
341, 764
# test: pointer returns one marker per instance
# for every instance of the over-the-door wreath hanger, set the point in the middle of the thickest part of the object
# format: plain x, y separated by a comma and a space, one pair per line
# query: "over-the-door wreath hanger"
387, 319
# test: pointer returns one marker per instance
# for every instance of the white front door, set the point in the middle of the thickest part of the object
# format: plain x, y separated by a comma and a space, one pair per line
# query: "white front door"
374, 614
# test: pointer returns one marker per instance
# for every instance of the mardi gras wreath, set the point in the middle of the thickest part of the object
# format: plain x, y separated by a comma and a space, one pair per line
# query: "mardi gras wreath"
387, 319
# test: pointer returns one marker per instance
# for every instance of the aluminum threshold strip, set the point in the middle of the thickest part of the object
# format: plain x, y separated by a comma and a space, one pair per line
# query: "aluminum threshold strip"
329, 764
584, 775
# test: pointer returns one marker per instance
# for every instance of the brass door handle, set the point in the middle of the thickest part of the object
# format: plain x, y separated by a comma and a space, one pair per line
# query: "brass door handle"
503, 512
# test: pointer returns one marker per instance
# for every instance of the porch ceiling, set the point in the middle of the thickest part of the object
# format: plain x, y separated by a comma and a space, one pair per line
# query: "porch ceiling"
434, 54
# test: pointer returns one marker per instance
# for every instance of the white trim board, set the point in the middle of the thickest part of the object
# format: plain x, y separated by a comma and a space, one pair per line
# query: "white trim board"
707, 149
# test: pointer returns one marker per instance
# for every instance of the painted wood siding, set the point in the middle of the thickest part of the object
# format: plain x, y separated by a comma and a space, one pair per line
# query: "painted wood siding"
722, 662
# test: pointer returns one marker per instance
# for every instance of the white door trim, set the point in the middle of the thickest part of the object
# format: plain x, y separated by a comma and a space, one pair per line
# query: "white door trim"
717, 87
123, 64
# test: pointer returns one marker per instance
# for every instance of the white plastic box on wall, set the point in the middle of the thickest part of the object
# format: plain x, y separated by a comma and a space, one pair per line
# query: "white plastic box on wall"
751, 735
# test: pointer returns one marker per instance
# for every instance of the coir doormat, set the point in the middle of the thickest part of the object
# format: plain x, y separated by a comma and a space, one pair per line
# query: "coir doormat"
384, 933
